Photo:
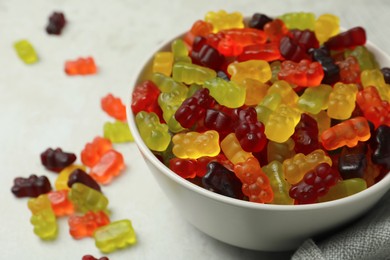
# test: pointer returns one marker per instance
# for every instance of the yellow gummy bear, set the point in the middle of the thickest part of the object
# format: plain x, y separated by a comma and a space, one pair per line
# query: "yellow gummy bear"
194, 145
222, 20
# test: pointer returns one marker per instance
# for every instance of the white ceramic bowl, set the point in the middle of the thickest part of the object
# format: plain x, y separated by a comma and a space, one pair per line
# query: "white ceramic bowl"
246, 224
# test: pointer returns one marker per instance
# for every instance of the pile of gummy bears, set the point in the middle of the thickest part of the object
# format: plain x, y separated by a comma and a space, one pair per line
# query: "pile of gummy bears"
77, 194
285, 110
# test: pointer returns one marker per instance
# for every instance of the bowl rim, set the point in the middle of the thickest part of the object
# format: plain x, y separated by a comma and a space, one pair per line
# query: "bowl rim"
136, 79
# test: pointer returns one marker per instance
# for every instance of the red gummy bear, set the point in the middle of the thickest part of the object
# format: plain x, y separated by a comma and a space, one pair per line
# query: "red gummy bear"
304, 74
81, 66
374, 108
114, 107
110, 165
60, 203
92, 152
194, 108
144, 98
84, 226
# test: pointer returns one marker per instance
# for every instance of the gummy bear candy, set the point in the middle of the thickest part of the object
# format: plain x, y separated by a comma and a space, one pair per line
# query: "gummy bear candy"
315, 99
206, 55
222, 20
258, 21
341, 102
56, 160
194, 145
56, 23
299, 20
116, 235
194, 108
78, 175
43, 218
199, 28
351, 38
185, 168
314, 184
180, 51
326, 26
297, 166
114, 107
348, 132
60, 203
87, 199
306, 135
349, 70
344, 189
117, 132
191, 73
228, 94
381, 153
365, 58
352, 162
33, 186
109, 166
252, 69
329, 66
163, 62
85, 225
373, 107
144, 98
232, 149
375, 78
268, 51
281, 123
255, 184
81, 66
26, 51
61, 182
154, 134
280, 187
305, 73
92, 151
222, 181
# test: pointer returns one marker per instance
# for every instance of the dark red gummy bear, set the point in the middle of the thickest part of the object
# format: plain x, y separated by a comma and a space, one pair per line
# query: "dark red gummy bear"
32, 186
306, 135
194, 108
353, 161
56, 23
258, 21
353, 37
204, 54
222, 181
56, 160
90, 257
331, 70
381, 145
81, 176
186, 168
314, 184
291, 50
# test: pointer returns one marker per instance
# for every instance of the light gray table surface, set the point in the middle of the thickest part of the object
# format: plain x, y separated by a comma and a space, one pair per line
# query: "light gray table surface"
41, 107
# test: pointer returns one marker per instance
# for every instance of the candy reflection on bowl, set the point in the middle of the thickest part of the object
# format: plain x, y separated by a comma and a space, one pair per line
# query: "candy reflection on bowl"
243, 121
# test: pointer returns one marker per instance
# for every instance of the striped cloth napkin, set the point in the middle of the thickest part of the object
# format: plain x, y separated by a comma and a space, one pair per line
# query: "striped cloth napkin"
368, 238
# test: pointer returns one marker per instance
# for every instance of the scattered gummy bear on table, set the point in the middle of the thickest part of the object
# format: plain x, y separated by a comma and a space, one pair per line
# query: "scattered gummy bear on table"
288, 109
